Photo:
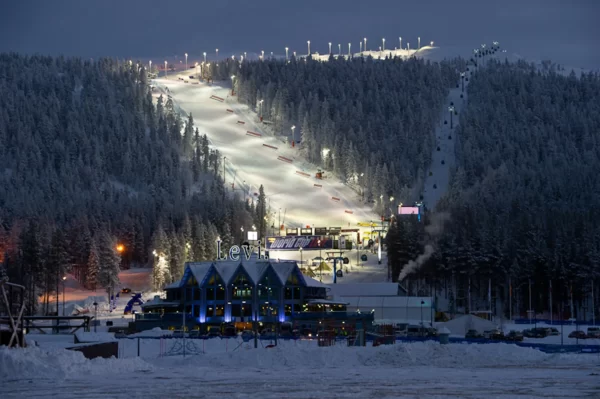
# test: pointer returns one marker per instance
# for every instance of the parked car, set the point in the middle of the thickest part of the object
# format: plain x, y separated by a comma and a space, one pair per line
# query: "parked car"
578, 334
554, 331
473, 334
515, 336
178, 334
539, 332
213, 332
125, 290
229, 331
593, 332
195, 334
191, 76
493, 334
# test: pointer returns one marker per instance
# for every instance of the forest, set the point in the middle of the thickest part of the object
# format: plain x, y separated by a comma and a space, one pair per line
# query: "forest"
368, 121
523, 205
97, 174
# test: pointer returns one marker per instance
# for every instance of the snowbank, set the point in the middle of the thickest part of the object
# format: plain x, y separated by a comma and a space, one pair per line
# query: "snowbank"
36, 363
94, 337
308, 355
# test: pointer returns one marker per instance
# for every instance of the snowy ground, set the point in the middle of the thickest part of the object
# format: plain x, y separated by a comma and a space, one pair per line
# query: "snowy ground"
251, 163
303, 370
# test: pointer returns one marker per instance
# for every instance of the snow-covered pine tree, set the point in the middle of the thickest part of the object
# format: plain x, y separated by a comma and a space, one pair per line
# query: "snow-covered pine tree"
93, 267
109, 260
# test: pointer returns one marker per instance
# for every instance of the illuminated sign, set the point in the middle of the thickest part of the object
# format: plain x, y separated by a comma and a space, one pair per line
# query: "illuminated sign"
408, 210
253, 235
295, 243
235, 252
291, 232
306, 232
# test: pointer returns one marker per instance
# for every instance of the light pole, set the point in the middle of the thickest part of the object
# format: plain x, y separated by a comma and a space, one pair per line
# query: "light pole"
339, 49
419, 43
360, 47
260, 109
365, 39
64, 279
349, 47
422, 303
232, 84
150, 66
431, 43
300, 249
286, 54
462, 77
204, 57
186, 55
408, 46
400, 38
262, 56
451, 109
320, 262
308, 42
329, 48
95, 315
165, 69
383, 44
293, 137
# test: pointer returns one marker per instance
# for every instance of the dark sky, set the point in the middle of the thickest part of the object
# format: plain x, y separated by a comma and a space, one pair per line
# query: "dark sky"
563, 30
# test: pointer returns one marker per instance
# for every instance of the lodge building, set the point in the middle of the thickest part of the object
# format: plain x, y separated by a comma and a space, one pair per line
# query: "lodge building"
245, 291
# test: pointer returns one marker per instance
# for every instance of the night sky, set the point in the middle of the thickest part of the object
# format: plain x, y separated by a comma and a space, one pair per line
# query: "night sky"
564, 31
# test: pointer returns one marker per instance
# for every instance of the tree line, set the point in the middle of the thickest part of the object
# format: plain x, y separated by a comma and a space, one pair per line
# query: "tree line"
90, 160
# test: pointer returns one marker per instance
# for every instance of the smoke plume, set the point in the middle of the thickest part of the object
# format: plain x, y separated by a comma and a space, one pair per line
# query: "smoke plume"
434, 229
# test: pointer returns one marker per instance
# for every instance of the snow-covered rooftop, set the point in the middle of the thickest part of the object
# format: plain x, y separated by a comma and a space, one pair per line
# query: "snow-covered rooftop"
365, 289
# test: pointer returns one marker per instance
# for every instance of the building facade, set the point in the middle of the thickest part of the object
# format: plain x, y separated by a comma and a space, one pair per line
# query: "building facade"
245, 291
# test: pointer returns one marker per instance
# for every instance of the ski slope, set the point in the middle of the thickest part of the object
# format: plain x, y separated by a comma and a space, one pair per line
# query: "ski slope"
257, 158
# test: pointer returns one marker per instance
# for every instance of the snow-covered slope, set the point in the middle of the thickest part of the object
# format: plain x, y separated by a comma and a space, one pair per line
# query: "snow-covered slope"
258, 158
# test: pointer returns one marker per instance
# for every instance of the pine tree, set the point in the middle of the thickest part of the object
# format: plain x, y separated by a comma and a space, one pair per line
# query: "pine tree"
93, 267
261, 212
109, 260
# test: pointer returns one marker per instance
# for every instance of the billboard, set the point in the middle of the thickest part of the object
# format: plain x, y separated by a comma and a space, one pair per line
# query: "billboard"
253, 235
291, 232
297, 242
408, 210
306, 232
320, 231
335, 231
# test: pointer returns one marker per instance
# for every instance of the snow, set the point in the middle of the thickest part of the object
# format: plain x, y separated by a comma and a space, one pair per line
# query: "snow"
462, 324
250, 164
301, 369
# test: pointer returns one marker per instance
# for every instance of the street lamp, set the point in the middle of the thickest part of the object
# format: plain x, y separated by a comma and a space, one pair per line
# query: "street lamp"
462, 77
431, 43
120, 248
320, 261
400, 38
165, 69
186, 55
262, 57
360, 47
204, 57
260, 109
365, 39
308, 42
349, 52
329, 48
419, 43
150, 66
339, 49
293, 137
64, 279
383, 44
95, 315
286, 53
451, 109
232, 84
